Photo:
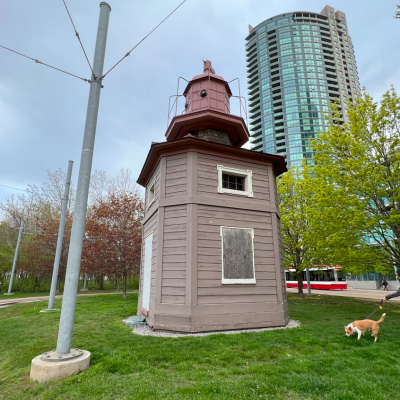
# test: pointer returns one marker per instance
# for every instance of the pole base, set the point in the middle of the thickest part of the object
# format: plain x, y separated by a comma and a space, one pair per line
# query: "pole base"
84, 290
50, 309
7, 294
49, 367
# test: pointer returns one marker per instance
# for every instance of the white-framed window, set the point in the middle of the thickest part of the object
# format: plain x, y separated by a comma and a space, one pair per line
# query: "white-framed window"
237, 255
235, 181
151, 188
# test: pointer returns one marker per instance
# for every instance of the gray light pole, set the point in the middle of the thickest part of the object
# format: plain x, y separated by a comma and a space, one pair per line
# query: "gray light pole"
84, 281
78, 224
63, 350
15, 259
65, 198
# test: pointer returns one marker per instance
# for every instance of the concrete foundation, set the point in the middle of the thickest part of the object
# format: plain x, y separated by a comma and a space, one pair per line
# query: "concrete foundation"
83, 290
43, 371
50, 309
7, 294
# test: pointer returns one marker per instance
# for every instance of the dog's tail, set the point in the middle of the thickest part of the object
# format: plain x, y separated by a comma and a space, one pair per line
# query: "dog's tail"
381, 318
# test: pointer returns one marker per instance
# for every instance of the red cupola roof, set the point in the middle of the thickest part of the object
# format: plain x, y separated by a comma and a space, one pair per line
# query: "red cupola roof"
207, 106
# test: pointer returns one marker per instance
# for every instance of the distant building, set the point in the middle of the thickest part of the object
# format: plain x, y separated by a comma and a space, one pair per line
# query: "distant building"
296, 64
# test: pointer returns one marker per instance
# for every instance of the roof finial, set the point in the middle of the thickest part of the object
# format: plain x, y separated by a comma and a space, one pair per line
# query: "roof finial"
207, 67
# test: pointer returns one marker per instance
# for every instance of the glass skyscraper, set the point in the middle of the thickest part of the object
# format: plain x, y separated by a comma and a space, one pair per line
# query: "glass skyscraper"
296, 64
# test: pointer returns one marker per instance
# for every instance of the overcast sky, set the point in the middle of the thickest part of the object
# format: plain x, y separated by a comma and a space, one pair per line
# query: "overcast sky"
42, 111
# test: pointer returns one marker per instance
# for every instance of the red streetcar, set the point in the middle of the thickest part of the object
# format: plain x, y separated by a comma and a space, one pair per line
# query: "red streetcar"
327, 278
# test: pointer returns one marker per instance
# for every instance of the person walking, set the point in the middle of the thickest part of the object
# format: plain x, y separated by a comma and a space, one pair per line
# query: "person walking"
385, 284
395, 294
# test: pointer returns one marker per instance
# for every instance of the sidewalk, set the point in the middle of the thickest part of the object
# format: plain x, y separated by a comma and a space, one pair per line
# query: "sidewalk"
356, 293
4, 302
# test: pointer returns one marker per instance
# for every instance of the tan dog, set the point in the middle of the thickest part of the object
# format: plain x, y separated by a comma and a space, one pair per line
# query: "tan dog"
365, 325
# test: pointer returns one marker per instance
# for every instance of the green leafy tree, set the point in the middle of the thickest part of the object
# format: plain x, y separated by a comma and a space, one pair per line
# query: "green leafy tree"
296, 192
357, 179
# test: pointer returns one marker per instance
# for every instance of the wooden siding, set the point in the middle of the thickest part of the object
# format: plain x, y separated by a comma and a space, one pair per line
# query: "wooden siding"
209, 287
153, 207
281, 264
207, 176
176, 176
174, 255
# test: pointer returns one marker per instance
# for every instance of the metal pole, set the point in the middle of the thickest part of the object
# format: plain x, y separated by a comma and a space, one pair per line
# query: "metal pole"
78, 223
84, 281
65, 199
15, 257
308, 281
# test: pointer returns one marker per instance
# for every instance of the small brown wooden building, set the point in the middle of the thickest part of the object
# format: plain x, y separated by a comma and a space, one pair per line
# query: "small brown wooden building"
211, 251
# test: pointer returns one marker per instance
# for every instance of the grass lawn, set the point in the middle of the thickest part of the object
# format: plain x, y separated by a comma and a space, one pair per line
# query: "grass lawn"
17, 295
315, 361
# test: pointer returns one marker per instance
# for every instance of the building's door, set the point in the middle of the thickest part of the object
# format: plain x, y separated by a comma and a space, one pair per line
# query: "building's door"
148, 251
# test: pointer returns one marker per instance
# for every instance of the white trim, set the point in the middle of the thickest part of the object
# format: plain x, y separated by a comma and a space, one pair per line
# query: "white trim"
149, 186
247, 174
147, 272
236, 281
149, 234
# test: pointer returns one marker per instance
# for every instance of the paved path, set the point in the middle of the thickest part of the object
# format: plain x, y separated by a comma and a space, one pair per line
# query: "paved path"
4, 302
356, 293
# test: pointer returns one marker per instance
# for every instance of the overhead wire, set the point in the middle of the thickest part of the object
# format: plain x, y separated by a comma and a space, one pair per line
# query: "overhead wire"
130, 51
47, 65
77, 35
11, 187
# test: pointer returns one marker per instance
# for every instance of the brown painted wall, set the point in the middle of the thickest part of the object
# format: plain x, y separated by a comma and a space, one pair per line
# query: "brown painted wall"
187, 293
176, 176
150, 224
208, 177
174, 255
210, 289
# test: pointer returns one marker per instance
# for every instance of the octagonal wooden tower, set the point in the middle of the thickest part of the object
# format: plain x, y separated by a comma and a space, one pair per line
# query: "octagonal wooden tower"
211, 250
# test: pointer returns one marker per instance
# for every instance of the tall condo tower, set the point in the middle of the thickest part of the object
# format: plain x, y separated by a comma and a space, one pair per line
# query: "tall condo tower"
296, 64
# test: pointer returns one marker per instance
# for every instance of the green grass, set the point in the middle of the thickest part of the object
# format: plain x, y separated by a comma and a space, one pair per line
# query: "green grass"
323, 363
42, 294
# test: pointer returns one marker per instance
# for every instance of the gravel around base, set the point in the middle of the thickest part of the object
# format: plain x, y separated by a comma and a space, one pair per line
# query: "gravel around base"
146, 331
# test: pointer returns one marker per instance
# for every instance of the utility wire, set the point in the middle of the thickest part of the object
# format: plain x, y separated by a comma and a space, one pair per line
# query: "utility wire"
77, 35
129, 52
47, 65
24, 190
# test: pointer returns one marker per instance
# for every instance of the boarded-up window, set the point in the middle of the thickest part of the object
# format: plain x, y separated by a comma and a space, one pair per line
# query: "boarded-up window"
237, 255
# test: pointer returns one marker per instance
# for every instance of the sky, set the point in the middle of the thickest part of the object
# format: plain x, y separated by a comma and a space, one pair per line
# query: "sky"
42, 111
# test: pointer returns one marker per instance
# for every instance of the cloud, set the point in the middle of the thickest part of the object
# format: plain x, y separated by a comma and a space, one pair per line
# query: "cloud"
43, 112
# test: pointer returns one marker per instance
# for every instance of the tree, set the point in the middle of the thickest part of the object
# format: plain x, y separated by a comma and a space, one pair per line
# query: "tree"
38, 250
296, 191
397, 13
357, 177
112, 243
